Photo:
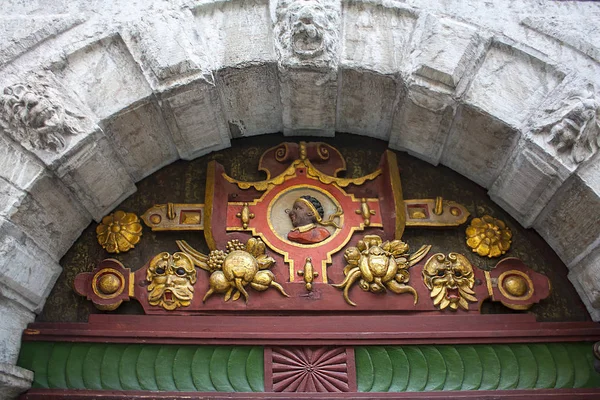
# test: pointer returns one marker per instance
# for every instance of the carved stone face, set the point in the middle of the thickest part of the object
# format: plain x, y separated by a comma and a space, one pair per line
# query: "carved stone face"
450, 280
304, 27
34, 116
171, 280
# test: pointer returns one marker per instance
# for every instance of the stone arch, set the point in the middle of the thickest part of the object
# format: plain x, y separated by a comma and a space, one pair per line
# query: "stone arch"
502, 96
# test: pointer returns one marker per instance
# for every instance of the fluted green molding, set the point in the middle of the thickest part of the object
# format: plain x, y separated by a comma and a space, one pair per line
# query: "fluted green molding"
475, 367
101, 366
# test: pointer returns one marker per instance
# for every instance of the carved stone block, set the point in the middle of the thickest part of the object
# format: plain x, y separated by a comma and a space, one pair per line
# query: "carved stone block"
527, 183
142, 139
309, 102
444, 51
14, 319
235, 31
194, 116
511, 83
376, 37
366, 103
27, 273
478, 145
584, 277
104, 75
96, 176
570, 222
250, 98
169, 49
13, 380
16, 165
422, 122
41, 213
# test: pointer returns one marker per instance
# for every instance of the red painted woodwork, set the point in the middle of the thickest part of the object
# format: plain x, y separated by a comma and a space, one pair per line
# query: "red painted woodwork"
315, 330
539, 394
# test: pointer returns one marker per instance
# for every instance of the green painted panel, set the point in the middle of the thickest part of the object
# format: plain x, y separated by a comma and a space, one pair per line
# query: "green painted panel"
565, 373
74, 367
419, 374
182, 369
218, 369
163, 368
144, 367
582, 370
546, 368
57, 365
509, 367
201, 369
490, 378
127, 367
255, 369
91, 366
528, 369
473, 368
401, 369
364, 369
436, 367
382, 368
39, 357
109, 370
455, 370
594, 380
236, 369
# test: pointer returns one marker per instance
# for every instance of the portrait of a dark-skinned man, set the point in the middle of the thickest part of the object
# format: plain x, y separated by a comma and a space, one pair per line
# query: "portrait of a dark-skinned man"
307, 216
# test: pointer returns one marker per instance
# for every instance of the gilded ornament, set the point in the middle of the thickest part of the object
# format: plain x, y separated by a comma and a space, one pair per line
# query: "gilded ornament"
378, 266
515, 286
450, 280
109, 283
119, 232
488, 236
172, 279
235, 268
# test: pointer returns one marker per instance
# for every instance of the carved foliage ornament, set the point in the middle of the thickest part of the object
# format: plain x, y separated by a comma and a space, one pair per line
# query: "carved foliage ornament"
235, 268
379, 265
450, 280
307, 29
33, 114
574, 127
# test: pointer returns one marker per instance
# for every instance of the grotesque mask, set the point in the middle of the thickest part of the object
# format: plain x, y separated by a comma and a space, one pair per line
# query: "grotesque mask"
450, 280
34, 116
171, 280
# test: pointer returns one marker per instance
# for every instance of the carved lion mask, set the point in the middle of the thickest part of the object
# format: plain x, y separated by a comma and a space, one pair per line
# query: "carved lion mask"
33, 115
171, 280
450, 280
304, 27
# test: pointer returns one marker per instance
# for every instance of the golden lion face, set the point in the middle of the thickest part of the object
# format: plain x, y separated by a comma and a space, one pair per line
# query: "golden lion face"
450, 280
171, 280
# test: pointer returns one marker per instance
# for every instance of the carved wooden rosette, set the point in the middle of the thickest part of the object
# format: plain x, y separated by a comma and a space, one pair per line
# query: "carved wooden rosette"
310, 369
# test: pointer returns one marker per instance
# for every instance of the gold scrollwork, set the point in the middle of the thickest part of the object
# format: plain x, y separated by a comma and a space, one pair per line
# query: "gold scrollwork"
378, 265
235, 268
450, 280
